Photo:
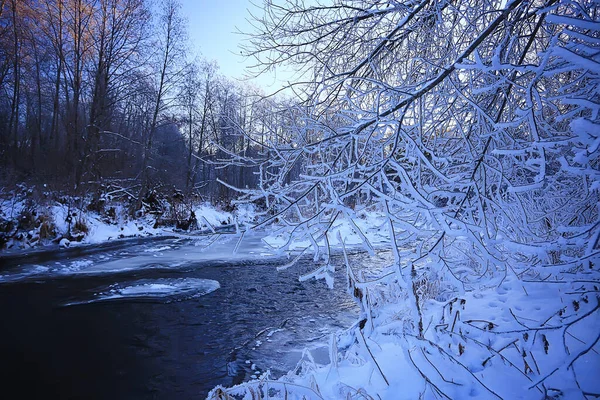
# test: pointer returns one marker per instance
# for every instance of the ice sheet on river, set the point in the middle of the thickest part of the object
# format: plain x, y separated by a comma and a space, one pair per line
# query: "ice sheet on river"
169, 254
205, 249
169, 289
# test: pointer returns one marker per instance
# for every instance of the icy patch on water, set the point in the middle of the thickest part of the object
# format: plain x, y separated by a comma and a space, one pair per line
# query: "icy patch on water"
170, 289
366, 229
76, 266
31, 272
157, 249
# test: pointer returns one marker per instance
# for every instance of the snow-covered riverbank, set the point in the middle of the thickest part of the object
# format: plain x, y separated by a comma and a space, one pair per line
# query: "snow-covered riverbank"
27, 224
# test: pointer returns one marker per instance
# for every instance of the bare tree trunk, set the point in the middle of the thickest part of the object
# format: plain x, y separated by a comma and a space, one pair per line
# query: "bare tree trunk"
203, 124
13, 125
36, 138
73, 126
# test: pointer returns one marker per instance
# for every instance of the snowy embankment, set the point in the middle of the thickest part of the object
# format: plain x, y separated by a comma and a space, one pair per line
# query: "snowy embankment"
26, 224
479, 347
509, 338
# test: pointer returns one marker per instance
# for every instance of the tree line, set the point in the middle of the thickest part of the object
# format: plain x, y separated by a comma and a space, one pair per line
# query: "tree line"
108, 92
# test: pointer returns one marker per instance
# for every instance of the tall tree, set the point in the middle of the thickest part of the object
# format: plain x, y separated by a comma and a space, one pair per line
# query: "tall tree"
119, 33
77, 55
168, 71
198, 107
16, 24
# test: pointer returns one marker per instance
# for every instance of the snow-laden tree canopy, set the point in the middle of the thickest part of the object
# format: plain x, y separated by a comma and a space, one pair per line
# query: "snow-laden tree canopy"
474, 125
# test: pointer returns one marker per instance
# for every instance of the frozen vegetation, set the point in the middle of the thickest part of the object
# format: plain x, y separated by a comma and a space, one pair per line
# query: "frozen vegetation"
460, 138
472, 130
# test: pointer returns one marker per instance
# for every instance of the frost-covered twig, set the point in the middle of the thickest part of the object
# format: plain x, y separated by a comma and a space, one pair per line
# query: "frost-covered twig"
364, 342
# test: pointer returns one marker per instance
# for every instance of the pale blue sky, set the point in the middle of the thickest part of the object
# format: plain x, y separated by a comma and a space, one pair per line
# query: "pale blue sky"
212, 30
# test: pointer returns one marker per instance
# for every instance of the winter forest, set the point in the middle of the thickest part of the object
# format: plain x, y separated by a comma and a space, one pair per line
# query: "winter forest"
106, 93
436, 161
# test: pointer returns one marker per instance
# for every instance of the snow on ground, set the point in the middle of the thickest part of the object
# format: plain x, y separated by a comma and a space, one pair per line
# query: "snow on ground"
208, 216
493, 343
88, 227
100, 230
454, 352
11, 207
206, 213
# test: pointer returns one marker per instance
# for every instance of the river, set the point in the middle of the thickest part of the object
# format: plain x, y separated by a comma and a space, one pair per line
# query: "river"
147, 319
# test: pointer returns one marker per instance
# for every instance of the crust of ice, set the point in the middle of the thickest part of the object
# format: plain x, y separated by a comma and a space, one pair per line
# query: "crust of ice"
160, 288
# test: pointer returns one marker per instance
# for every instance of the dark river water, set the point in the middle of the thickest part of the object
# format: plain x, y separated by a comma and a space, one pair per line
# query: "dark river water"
66, 335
